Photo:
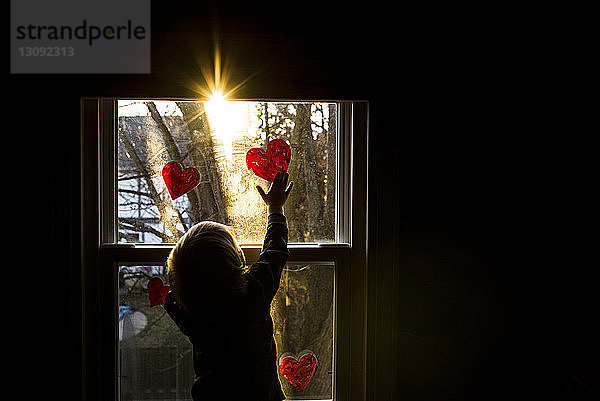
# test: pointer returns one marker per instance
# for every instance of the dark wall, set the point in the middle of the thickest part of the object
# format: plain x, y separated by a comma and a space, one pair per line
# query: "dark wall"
479, 279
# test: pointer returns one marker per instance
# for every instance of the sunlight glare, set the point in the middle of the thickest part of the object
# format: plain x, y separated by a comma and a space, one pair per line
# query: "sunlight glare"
217, 98
226, 119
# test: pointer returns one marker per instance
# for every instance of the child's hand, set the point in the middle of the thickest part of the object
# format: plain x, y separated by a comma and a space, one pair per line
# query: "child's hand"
278, 193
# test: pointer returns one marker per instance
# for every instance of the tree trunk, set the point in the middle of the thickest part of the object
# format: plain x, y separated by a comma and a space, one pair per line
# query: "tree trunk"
175, 155
309, 166
201, 152
295, 210
331, 172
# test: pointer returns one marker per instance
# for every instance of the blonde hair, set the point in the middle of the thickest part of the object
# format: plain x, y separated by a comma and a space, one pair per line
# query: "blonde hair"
205, 268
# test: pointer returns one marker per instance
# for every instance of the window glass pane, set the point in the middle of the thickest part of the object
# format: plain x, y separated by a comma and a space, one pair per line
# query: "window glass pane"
155, 358
214, 137
302, 312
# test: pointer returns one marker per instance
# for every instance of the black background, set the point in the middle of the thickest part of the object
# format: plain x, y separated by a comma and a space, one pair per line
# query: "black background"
481, 227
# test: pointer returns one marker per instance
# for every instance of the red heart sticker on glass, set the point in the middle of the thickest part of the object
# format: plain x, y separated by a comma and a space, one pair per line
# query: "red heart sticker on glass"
299, 372
178, 180
267, 164
157, 291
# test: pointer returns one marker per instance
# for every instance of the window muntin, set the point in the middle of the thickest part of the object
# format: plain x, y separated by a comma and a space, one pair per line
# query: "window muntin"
155, 358
214, 137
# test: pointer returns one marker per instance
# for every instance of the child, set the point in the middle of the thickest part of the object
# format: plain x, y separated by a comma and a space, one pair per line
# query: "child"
224, 310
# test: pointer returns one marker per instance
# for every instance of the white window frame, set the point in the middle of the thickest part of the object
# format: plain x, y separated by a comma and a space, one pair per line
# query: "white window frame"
101, 254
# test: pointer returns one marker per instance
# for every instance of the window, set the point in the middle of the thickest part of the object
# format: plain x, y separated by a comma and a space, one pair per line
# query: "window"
130, 222
155, 359
213, 137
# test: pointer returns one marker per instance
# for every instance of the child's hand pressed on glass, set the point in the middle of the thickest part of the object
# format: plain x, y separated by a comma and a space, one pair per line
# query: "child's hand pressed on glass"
278, 193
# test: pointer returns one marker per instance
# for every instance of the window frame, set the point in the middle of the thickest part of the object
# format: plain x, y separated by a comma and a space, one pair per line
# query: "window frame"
101, 256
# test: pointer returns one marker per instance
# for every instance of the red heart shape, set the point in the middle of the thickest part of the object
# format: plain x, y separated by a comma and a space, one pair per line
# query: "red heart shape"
300, 371
157, 291
178, 180
267, 164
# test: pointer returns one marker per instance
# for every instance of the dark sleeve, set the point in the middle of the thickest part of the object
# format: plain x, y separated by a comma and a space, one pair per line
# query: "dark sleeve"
266, 272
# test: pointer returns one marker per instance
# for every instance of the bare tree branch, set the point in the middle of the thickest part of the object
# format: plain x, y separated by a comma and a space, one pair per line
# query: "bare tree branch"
134, 225
131, 191
170, 144
154, 195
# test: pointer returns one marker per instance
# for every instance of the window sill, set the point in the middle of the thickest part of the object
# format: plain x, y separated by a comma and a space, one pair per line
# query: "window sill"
127, 253
125, 245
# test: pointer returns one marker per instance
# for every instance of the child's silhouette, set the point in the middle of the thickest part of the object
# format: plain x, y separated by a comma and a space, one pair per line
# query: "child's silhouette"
224, 310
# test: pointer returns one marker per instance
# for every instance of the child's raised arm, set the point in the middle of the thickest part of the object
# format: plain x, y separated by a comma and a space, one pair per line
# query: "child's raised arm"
266, 273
